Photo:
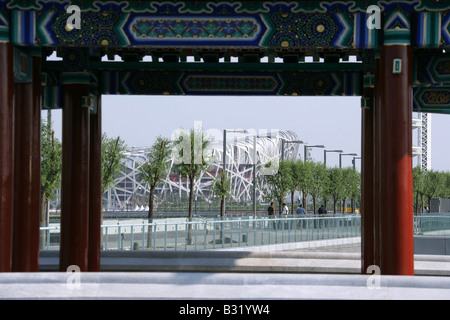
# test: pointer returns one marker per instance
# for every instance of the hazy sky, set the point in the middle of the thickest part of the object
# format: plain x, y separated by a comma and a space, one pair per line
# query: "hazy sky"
331, 121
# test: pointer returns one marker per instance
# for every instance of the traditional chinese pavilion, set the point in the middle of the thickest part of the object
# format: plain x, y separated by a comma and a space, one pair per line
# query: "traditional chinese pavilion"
405, 67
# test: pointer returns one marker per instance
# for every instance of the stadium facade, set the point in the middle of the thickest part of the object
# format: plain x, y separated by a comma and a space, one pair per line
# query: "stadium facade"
245, 155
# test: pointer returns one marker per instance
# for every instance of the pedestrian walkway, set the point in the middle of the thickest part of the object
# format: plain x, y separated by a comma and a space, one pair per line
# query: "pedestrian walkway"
318, 270
339, 256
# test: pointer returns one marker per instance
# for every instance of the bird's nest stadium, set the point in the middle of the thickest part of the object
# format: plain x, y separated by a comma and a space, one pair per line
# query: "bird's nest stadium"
246, 155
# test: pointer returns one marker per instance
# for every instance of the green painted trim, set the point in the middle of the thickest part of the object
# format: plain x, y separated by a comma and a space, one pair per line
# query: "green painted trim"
75, 78
397, 37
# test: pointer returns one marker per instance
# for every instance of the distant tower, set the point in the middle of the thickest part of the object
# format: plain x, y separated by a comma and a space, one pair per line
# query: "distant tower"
422, 150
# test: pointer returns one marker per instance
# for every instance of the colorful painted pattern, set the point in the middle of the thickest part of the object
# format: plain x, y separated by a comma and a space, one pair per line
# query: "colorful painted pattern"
273, 27
257, 24
431, 100
432, 70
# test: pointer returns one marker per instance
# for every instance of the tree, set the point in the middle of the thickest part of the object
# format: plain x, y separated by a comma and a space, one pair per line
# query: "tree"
51, 155
297, 173
190, 160
222, 188
305, 180
352, 185
318, 179
447, 184
152, 171
335, 186
444, 191
276, 186
113, 152
418, 187
433, 182
155, 168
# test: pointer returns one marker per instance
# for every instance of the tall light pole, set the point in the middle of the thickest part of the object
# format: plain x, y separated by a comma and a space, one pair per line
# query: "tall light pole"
354, 162
345, 154
325, 155
306, 147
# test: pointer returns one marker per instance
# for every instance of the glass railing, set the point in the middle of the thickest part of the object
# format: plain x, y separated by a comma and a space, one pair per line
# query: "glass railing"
215, 233
212, 232
432, 224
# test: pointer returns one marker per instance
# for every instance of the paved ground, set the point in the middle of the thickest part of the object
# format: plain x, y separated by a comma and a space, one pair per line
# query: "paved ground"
348, 248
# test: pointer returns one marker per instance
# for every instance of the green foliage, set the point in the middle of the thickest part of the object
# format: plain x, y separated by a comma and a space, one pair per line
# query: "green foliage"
278, 184
434, 182
298, 178
222, 188
190, 158
51, 156
222, 185
352, 183
418, 180
317, 182
335, 188
312, 178
418, 188
113, 152
428, 185
447, 184
156, 167
190, 153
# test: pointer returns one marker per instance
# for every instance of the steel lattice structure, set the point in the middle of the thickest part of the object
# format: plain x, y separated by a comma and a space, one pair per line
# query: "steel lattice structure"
131, 193
422, 150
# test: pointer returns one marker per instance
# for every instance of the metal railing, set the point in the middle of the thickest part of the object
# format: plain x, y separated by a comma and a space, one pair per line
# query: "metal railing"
432, 224
216, 233
208, 233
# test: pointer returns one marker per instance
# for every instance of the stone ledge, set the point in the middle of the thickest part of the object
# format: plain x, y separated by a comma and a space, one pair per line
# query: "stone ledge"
170, 285
238, 261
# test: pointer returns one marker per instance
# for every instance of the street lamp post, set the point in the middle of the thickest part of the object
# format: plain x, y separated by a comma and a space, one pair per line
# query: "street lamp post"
325, 155
306, 149
340, 166
344, 154
354, 162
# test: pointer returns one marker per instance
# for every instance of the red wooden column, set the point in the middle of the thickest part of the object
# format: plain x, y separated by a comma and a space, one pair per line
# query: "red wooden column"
396, 219
95, 188
6, 154
27, 169
75, 173
368, 152
367, 186
377, 149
